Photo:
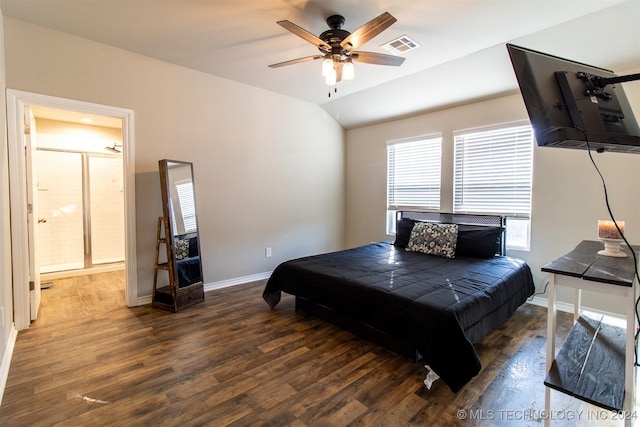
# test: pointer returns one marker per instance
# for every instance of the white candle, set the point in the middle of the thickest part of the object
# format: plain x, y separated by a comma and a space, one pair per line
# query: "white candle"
608, 230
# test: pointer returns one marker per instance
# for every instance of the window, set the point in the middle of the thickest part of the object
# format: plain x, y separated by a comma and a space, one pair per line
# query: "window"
492, 175
187, 211
188, 206
413, 176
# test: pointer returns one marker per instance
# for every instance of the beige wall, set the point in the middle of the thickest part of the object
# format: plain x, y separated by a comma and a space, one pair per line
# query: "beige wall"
57, 134
269, 169
568, 198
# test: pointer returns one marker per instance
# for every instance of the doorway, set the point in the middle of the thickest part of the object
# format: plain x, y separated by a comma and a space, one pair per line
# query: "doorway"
80, 192
18, 105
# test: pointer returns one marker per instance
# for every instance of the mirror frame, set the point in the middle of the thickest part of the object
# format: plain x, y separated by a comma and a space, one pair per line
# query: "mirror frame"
165, 167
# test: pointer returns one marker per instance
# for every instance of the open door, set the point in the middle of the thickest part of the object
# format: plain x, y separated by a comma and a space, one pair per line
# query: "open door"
32, 212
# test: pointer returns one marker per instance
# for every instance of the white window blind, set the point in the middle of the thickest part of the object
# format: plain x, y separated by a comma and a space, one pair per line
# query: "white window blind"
492, 172
413, 173
187, 205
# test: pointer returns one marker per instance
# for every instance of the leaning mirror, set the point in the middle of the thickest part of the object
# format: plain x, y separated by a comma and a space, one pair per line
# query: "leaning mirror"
180, 217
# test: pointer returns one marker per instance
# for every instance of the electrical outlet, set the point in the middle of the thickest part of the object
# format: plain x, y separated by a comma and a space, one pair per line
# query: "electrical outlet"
267, 252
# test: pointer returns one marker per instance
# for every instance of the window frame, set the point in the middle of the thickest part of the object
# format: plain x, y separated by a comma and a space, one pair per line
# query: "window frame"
426, 139
516, 214
395, 201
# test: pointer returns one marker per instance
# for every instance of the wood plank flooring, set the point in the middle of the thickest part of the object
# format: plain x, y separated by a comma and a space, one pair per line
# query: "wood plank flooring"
233, 361
76, 297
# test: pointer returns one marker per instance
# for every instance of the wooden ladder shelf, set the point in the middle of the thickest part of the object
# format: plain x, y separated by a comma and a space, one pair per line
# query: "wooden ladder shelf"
161, 239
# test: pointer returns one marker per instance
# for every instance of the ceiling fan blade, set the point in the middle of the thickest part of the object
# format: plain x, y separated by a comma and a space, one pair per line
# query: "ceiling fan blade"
305, 35
368, 31
296, 61
377, 58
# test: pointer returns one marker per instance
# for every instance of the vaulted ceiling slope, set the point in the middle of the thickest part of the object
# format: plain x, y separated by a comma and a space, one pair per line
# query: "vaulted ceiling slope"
461, 58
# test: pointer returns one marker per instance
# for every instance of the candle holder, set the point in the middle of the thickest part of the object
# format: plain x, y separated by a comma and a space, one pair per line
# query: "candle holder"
611, 234
612, 248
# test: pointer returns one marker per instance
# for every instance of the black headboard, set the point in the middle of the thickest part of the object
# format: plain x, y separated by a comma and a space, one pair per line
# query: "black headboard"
451, 218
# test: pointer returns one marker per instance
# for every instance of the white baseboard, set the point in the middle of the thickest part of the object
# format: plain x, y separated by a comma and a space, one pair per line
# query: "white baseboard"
6, 359
568, 307
237, 281
219, 285
543, 302
81, 272
144, 300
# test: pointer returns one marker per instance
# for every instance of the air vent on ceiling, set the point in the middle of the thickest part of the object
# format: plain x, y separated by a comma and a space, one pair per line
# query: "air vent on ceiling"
402, 44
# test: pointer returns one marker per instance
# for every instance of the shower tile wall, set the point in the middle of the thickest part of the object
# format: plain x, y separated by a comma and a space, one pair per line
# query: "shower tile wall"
61, 204
106, 190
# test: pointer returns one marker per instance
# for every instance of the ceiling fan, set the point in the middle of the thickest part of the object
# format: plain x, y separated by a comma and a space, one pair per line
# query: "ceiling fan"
337, 47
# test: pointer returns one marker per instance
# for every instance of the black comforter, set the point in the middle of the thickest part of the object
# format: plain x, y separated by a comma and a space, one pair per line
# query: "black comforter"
438, 305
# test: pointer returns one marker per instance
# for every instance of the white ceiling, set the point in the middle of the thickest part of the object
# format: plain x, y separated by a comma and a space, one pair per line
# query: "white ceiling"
462, 55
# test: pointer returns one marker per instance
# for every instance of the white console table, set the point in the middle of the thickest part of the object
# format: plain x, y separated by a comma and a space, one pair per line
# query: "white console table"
579, 367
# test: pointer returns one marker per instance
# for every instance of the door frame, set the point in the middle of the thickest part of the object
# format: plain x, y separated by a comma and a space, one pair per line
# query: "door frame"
17, 101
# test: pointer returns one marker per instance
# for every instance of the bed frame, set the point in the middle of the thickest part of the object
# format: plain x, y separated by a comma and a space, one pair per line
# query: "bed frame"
382, 338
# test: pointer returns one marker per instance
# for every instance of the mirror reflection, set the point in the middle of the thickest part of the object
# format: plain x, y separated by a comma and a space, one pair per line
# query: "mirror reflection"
183, 203
180, 208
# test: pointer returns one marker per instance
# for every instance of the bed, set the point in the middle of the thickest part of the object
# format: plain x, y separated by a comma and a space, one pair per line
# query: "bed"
188, 260
442, 285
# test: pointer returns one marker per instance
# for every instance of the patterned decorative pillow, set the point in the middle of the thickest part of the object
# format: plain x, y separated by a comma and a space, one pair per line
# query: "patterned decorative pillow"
182, 249
434, 239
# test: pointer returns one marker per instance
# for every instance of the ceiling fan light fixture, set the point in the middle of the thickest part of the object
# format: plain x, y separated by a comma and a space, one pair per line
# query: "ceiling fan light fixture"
348, 70
327, 67
330, 78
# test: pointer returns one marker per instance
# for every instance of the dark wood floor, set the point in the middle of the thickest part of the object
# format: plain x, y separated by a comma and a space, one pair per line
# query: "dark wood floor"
233, 361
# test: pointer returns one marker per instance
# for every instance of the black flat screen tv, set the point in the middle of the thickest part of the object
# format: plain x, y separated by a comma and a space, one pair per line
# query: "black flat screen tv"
570, 103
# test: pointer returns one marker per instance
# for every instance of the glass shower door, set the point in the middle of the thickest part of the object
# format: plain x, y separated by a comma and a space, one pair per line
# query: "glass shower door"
81, 208
106, 205
61, 229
